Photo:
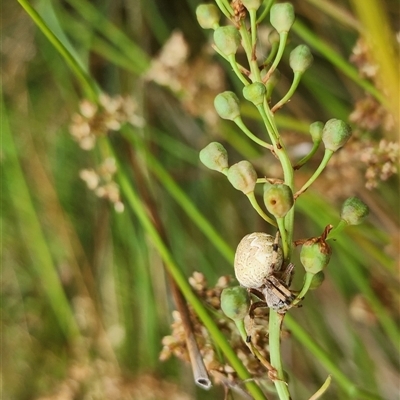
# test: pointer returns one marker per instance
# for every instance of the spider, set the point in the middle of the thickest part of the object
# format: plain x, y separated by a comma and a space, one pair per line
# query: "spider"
258, 267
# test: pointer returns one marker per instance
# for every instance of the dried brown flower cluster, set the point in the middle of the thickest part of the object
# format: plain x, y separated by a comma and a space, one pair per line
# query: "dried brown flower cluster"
217, 367
361, 163
361, 59
196, 82
94, 120
382, 162
101, 181
239, 9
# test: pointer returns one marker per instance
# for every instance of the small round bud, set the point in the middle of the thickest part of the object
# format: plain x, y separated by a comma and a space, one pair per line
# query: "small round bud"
227, 39
227, 105
354, 211
207, 16
278, 199
335, 134
255, 93
273, 38
254, 259
252, 4
315, 255
316, 131
215, 157
282, 17
300, 58
317, 280
242, 176
235, 302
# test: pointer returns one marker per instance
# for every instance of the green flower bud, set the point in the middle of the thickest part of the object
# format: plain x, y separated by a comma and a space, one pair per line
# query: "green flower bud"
300, 58
214, 156
207, 16
354, 211
316, 131
315, 255
335, 134
278, 198
255, 93
252, 4
273, 38
282, 17
242, 176
317, 280
227, 105
235, 302
227, 39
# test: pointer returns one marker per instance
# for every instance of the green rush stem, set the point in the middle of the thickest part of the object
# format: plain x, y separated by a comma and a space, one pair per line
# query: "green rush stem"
89, 86
144, 219
327, 156
289, 94
238, 121
259, 210
275, 324
340, 378
306, 158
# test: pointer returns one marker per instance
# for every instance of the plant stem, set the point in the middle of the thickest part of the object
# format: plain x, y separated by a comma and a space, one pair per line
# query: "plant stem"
275, 324
327, 156
259, 210
238, 121
89, 86
289, 94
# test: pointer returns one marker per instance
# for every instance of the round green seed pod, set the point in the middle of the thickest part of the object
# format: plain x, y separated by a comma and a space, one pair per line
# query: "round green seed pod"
335, 134
243, 176
300, 58
278, 199
316, 131
227, 39
282, 17
215, 157
317, 280
207, 16
315, 255
254, 93
227, 105
354, 211
235, 302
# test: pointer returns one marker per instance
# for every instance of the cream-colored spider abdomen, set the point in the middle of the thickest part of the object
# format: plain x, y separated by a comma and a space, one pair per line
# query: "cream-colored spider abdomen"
254, 259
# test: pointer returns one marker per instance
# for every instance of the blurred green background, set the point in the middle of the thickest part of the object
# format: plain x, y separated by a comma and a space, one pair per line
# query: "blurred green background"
85, 299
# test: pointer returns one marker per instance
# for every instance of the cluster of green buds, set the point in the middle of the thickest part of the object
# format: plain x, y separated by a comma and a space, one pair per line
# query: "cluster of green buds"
259, 78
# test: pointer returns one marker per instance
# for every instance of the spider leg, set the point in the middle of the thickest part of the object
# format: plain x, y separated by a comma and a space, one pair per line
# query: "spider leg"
287, 275
275, 247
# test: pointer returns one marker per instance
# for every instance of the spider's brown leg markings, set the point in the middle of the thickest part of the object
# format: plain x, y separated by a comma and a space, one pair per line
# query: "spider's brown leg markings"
287, 275
281, 291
